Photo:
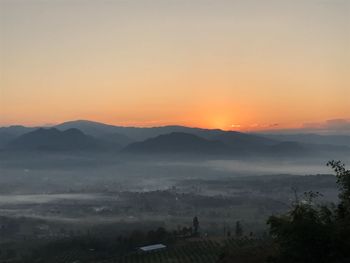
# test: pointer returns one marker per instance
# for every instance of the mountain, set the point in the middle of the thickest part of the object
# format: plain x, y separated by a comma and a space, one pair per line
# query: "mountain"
92, 128
230, 144
8, 134
340, 140
88, 135
242, 141
131, 134
55, 140
140, 134
178, 142
16, 130
117, 138
105, 132
5, 138
289, 149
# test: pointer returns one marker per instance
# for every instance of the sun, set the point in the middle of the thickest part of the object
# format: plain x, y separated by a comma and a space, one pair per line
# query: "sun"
222, 122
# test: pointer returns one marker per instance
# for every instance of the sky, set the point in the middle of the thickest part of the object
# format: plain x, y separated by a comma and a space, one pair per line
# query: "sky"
228, 64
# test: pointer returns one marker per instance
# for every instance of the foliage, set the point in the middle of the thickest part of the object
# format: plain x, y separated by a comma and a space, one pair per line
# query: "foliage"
195, 226
238, 229
312, 232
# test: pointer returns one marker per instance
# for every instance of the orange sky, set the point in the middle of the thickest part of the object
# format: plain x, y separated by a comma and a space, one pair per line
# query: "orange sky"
217, 64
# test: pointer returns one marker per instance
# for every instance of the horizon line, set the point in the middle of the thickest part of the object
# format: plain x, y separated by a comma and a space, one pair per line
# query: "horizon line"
301, 130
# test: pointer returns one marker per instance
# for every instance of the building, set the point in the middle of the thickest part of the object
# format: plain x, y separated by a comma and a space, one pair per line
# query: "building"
152, 248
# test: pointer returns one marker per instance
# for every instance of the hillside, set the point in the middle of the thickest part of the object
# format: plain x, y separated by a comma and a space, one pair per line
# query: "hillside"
339, 140
244, 142
54, 140
133, 133
178, 142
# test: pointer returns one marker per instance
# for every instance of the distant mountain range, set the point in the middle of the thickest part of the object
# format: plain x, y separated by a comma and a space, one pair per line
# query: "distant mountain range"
52, 139
133, 133
8, 134
241, 141
93, 136
178, 142
341, 140
230, 143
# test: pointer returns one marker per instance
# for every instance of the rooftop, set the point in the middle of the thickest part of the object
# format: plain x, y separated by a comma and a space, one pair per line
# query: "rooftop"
152, 247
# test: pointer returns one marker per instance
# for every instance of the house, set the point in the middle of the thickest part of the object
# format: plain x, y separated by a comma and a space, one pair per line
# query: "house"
152, 248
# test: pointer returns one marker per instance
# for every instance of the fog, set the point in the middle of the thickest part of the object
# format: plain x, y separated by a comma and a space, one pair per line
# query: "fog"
60, 173
70, 198
99, 187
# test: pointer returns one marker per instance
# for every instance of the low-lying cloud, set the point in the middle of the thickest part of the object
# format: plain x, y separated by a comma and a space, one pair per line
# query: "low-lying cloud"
330, 126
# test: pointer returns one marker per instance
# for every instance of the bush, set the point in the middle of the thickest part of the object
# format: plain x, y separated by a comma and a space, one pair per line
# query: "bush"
314, 233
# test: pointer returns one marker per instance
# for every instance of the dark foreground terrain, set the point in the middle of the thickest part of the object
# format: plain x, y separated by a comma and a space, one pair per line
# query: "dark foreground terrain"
109, 225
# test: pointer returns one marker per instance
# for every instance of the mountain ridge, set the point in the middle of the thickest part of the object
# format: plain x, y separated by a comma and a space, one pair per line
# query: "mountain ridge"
99, 136
52, 139
177, 142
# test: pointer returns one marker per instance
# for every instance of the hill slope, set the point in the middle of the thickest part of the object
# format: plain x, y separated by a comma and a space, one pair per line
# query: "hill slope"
244, 142
178, 142
52, 139
340, 140
111, 132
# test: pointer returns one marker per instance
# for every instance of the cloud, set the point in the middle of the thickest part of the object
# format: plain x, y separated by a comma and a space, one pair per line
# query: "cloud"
338, 124
329, 126
332, 126
256, 126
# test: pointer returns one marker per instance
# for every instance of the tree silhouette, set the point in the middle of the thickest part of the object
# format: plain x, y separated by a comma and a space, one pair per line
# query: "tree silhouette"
195, 224
315, 233
239, 229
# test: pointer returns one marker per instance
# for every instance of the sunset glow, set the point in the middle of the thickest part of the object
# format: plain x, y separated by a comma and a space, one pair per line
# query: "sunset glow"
242, 65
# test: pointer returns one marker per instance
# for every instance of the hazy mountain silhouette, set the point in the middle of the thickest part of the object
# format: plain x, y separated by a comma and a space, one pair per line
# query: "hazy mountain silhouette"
230, 144
9, 133
341, 140
53, 139
118, 138
96, 129
88, 135
242, 141
141, 134
178, 142
5, 138
289, 148
99, 130
124, 135
16, 130
110, 132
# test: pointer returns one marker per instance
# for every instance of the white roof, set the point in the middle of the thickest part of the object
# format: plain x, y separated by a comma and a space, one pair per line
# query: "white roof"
152, 247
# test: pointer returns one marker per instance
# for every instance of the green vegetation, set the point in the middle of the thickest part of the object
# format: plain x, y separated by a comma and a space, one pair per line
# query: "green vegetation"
311, 232
239, 229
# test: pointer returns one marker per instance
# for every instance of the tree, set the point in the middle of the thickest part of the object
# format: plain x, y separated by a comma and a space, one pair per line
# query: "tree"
343, 181
239, 229
195, 223
315, 233
341, 235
